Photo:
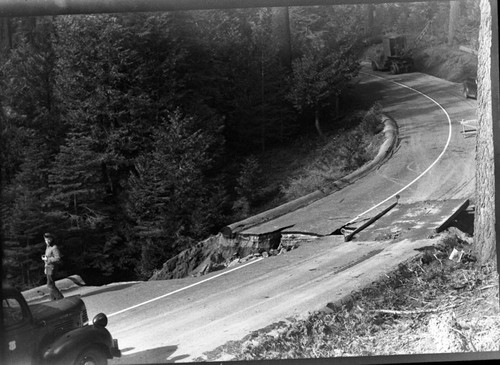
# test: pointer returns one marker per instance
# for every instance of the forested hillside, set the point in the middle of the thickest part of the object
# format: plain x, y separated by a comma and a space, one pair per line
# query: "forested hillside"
131, 136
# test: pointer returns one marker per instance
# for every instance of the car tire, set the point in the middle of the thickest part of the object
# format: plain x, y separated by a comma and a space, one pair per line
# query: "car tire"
466, 94
91, 356
394, 68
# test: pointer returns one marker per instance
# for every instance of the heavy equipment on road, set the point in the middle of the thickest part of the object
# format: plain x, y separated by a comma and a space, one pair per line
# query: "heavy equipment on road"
395, 55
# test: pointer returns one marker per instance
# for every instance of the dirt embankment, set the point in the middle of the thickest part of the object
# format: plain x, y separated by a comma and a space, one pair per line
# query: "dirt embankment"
445, 62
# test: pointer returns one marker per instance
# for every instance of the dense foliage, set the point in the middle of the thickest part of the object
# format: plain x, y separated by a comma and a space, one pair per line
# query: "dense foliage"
129, 136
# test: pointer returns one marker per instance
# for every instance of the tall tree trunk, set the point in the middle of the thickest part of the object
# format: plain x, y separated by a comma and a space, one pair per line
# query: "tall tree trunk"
453, 21
281, 20
317, 123
370, 9
337, 106
488, 138
5, 35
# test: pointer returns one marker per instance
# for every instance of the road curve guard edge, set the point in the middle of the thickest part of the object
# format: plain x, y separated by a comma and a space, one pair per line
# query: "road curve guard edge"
385, 151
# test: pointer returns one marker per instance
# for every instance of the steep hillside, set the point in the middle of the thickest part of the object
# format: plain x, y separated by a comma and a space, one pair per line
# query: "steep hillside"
216, 252
448, 63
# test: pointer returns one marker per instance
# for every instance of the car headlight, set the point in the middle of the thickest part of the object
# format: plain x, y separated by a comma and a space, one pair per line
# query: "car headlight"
100, 320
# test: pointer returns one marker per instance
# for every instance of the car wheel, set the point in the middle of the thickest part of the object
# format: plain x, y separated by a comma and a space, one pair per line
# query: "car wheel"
466, 94
91, 356
394, 69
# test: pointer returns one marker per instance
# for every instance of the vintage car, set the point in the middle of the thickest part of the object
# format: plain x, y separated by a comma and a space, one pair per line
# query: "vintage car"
469, 88
54, 332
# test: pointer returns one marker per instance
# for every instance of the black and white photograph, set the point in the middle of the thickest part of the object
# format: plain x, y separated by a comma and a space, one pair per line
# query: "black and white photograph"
249, 181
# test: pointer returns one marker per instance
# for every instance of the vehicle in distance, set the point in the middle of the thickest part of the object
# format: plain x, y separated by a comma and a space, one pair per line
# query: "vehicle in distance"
394, 56
469, 88
54, 332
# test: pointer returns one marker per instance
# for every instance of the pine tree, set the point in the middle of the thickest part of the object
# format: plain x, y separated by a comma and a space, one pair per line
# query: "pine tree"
172, 199
319, 78
25, 224
77, 202
246, 82
76, 182
31, 131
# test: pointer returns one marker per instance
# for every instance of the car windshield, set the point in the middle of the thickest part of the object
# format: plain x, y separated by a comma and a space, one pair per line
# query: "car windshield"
12, 311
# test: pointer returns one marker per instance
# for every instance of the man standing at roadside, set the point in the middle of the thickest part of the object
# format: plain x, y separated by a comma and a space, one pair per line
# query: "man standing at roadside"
52, 257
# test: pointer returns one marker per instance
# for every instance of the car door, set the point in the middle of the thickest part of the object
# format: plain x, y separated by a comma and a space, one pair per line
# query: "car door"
19, 334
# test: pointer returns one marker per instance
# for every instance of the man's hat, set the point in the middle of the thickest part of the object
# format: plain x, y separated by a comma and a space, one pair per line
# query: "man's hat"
49, 235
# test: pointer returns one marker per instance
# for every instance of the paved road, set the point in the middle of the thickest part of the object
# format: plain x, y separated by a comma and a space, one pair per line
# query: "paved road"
179, 320
430, 139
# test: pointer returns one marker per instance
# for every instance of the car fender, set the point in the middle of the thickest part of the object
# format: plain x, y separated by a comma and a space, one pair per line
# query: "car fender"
65, 349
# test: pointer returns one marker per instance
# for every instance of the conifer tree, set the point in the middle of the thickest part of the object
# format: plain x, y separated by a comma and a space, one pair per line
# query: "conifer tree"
172, 199
319, 78
31, 130
78, 201
26, 221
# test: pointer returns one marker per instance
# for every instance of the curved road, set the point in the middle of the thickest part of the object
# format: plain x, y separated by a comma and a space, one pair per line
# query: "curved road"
433, 161
179, 320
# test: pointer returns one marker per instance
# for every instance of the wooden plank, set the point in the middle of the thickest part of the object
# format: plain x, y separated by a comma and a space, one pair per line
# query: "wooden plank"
369, 222
456, 212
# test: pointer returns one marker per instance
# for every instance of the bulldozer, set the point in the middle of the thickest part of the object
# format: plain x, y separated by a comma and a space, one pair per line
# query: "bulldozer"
394, 56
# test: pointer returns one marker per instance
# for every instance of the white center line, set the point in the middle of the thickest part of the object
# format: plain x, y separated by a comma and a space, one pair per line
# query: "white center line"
184, 288
428, 168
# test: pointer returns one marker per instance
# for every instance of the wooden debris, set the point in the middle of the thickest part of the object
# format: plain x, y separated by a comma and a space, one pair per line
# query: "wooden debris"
433, 310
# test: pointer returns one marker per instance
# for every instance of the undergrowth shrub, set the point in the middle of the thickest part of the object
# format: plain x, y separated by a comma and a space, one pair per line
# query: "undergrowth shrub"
249, 181
303, 185
348, 150
353, 150
248, 186
371, 121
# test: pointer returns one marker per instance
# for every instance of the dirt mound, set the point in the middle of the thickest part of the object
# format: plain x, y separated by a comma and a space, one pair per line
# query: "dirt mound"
218, 252
208, 255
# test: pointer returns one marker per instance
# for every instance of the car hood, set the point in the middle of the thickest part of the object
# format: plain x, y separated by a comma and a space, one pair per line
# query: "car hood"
54, 310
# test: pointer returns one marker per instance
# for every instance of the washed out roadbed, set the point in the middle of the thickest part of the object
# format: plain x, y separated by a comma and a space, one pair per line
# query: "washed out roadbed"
430, 304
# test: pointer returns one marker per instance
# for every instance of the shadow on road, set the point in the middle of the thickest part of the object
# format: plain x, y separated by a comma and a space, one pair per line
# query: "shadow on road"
160, 355
108, 289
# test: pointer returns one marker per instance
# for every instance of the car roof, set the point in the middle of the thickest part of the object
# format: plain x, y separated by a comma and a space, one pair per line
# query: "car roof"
7, 288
